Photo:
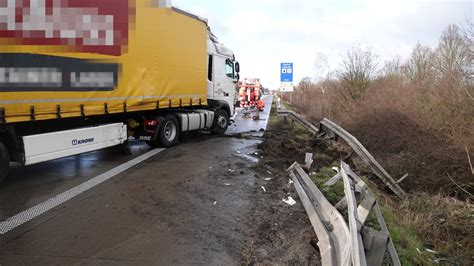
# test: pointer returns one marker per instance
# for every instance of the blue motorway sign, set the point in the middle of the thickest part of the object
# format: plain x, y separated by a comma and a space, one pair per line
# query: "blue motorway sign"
286, 72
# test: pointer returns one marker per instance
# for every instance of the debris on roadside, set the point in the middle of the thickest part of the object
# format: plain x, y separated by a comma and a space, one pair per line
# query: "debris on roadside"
290, 201
264, 190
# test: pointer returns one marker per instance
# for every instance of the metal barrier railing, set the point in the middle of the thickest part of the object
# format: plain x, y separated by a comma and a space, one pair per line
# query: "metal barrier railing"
330, 127
328, 223
330, 130
340, 242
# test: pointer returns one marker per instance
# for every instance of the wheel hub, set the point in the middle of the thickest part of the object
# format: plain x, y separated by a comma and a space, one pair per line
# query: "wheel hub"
170, 131
222, 121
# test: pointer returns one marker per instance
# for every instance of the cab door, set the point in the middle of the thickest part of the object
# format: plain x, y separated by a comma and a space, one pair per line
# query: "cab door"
224, 82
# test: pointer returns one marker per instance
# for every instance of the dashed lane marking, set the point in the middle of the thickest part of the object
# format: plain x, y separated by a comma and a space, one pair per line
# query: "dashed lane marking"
35, 211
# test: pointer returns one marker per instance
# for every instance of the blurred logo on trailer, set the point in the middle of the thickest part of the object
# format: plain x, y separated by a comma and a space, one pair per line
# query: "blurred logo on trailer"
69, 25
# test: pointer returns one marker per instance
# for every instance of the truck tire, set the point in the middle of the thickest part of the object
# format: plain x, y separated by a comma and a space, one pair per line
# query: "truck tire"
4, 161
221, 122
168, 133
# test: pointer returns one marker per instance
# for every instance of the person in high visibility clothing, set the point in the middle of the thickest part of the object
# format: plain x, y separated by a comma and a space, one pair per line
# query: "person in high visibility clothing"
261, 105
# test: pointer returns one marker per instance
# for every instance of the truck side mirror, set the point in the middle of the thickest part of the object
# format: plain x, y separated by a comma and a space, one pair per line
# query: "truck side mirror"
237, 78
237, 67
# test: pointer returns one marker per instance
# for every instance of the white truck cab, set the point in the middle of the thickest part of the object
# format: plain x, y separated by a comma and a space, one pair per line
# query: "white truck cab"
223, 74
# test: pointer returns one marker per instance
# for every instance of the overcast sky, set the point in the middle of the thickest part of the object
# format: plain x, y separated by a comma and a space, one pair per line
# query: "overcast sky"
265, 33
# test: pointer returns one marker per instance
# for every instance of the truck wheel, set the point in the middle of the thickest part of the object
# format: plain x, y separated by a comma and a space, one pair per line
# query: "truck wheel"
4, 161
168, 134
221, 122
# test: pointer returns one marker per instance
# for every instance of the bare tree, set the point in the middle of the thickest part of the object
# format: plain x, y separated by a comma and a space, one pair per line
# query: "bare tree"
357, 71
305, 85
393, 68
453, 56
420, 63
467, 30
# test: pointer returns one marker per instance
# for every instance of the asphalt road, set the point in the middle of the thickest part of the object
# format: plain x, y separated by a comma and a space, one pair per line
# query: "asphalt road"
247, 124
183, 205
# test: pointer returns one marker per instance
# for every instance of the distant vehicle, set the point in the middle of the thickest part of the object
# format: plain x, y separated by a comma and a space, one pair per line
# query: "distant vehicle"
99, 75
250, 94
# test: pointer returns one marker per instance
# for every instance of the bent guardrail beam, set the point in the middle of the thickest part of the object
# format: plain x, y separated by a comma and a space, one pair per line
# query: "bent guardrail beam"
296, 117
367, 204
340, 244
332, 129
369, 160
355, 226
335, 242
327, 251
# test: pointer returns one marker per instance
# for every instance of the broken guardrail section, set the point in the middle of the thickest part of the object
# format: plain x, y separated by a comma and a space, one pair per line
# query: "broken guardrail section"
330, 130
296, 117
340, 242
328, 223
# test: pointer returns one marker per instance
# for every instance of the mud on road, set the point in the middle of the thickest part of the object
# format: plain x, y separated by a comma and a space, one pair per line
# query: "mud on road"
281, 233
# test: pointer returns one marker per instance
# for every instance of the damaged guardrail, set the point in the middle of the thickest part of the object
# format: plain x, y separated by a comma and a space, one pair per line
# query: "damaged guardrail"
296, 117
341, 242
328, 223
330, 130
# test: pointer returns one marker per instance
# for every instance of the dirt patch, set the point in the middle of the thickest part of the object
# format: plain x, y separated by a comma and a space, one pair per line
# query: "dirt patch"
282, 234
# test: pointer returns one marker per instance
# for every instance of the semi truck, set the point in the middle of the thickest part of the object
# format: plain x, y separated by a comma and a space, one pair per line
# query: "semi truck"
79, 75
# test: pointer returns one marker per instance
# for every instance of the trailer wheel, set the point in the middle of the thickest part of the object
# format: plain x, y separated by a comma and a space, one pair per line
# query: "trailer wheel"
221, 122
168, 133
4, 161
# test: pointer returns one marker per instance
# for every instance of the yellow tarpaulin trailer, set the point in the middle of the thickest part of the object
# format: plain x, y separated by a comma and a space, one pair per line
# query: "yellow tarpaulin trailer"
80, 75
148, 58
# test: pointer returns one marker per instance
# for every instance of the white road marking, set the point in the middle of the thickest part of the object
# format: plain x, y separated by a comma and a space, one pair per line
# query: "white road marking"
35, 211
